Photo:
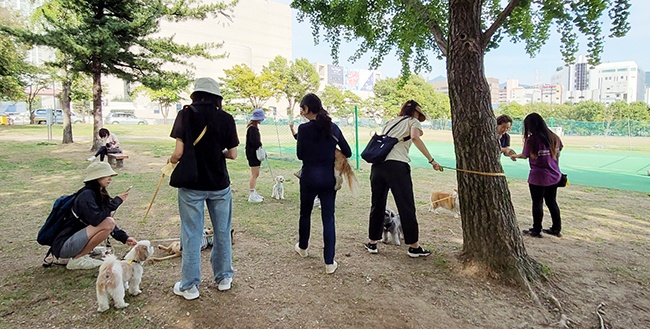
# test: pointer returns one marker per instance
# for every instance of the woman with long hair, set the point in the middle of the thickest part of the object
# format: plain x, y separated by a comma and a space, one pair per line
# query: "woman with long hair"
317, 140
253, 142
542, 149
110, 145
394, 174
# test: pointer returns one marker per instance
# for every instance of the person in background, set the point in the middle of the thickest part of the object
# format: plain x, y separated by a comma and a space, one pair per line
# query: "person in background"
253, 142
394, 174
542, 147
111, 145
92, 220
504, 123
317, 140
212, 188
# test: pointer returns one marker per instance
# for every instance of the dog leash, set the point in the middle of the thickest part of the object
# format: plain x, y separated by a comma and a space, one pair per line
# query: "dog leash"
475, 172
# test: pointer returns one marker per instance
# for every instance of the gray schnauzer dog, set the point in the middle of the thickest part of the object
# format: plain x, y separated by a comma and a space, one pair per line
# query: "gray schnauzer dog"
392, 227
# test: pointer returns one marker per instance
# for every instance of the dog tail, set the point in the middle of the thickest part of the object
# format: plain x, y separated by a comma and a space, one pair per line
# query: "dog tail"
350, 177
107, 277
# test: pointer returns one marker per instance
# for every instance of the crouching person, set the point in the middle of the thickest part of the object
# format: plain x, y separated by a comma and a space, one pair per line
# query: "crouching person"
91, 221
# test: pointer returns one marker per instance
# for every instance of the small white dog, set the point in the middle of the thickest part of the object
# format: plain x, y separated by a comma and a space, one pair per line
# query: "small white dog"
392, 227
116, 276
278, 188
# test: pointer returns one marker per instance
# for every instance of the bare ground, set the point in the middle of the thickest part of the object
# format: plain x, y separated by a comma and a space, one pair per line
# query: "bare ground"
602, 258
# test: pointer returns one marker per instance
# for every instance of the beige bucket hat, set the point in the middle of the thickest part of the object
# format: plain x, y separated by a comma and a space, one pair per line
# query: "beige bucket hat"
98, 170
207, 85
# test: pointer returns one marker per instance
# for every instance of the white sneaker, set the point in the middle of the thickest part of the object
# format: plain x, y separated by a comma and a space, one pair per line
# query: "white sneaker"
302, 252
224, 284
331, 268
255, 198
259, 196
92, 158
188, 294
83, 263
317, 202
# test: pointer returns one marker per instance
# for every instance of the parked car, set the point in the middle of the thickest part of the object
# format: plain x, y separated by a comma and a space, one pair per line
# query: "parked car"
40, 116
124, 118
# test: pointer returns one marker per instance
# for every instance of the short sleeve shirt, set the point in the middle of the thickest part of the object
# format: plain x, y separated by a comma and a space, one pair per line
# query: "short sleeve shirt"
505, 140
544, 170
221, 133
400, 151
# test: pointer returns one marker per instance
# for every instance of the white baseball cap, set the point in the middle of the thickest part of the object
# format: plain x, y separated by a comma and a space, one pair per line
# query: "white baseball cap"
207, 85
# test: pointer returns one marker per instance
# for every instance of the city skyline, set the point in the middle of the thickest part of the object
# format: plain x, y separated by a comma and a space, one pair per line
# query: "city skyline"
509, 61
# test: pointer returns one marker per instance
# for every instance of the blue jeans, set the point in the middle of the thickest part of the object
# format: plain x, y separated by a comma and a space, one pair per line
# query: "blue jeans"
191, 209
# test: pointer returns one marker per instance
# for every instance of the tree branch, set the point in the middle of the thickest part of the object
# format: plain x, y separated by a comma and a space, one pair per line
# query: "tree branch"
432, 24
487, 35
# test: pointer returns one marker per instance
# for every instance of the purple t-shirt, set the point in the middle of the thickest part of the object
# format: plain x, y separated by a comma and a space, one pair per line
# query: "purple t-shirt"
544, 170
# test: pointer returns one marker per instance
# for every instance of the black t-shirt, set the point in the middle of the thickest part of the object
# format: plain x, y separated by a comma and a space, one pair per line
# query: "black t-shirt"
253, 138
221, 134
505, 140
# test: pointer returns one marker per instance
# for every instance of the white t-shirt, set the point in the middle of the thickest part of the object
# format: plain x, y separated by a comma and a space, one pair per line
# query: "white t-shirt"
400, 151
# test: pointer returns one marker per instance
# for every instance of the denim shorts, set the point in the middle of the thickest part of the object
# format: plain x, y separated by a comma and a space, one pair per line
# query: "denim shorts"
73, 246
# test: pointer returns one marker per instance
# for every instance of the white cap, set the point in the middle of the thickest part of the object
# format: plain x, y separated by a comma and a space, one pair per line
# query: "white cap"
207, 85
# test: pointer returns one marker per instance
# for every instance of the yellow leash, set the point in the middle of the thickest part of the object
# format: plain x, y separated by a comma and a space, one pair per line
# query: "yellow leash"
476, 172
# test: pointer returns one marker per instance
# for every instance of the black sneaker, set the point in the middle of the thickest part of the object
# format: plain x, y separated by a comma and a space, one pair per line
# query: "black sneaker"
371, 247
418, 252
552, 232
532, 233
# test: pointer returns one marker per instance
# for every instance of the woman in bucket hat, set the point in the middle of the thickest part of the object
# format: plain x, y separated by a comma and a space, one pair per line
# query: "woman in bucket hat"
253, 142
92, 220
211, 190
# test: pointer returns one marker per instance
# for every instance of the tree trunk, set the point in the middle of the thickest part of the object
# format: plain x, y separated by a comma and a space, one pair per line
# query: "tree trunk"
491, 238
97, 102
65, 104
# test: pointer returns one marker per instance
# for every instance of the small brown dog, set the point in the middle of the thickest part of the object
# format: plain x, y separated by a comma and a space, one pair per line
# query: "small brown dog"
175, 250
342, 169
445, 200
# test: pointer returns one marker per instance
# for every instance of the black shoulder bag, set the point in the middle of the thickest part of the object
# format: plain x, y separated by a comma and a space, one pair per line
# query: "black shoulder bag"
380, 145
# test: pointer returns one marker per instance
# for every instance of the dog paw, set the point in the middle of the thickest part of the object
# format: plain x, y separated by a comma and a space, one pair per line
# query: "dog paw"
135, 293
121, 305
102, 309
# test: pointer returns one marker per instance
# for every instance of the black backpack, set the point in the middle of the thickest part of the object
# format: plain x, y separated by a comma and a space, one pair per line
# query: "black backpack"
55, 223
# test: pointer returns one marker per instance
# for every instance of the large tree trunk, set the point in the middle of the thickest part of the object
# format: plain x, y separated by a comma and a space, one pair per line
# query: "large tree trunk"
65, 104
97, 102
491, 238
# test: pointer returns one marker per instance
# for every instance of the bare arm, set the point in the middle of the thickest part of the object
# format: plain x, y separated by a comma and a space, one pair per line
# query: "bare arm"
230, 153
415, 137
178, 151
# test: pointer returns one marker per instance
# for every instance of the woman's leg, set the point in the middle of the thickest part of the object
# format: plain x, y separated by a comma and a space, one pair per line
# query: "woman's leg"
219, 205
307, 195
379, 190
328, 201
401, 186
537, 197
550, 194
255, 173
190, 208
97, 234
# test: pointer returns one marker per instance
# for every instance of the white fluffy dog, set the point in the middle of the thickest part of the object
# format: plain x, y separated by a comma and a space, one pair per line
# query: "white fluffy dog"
116, 276
278, 188
392, 227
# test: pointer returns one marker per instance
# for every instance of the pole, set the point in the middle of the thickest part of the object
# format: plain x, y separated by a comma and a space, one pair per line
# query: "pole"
277, 132
356, 134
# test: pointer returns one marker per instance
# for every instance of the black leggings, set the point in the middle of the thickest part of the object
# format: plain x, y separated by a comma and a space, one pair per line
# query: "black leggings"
105, 150
539, 195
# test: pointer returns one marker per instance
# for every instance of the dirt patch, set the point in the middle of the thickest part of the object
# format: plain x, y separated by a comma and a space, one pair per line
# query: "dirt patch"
602, 258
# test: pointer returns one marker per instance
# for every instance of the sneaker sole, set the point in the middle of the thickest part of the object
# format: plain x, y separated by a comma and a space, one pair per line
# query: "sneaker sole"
418, 255
180, 293
372, 251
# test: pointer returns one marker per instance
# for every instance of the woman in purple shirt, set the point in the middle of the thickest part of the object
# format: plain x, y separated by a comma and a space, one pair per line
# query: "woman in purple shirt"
542, 147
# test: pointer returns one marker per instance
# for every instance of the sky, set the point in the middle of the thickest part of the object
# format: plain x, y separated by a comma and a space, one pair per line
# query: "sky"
509, 61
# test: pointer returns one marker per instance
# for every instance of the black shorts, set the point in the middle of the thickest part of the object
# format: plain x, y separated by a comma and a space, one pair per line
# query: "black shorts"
251, 156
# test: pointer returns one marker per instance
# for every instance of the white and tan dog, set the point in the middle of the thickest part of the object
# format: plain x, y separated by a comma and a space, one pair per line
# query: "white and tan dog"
392, 228
116, 276
445, 200
278, 188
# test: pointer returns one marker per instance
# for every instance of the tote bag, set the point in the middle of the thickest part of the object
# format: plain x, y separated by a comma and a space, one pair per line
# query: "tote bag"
260, 153
380, 145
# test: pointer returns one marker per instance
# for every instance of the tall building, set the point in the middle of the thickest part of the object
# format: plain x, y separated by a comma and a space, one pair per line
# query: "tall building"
619, 81
574, 79
257, 32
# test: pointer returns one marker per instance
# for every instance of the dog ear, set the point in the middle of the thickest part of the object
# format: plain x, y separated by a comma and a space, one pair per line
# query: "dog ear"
141, 253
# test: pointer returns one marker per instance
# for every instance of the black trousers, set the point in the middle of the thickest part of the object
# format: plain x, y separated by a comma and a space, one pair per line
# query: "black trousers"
103, 151
396, 177
539, 195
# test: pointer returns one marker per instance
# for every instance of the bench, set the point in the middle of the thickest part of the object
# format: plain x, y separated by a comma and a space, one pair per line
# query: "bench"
117, 159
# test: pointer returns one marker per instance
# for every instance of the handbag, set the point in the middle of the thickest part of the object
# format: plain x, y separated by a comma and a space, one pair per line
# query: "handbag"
564, 181
380, 145
260, 153
185, 173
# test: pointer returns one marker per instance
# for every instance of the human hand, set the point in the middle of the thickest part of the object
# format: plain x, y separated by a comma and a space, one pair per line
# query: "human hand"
291, 124
131, 241
513, 157
124, 195
436, 166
